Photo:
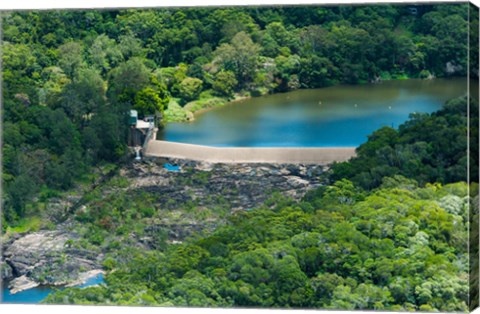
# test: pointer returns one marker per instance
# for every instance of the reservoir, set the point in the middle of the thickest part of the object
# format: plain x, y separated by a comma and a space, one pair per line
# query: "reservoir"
327, 117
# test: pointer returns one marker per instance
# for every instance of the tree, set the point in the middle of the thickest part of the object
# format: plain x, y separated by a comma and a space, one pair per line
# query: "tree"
148, 102
240, 57
105, 53
84, 96
281, 36
224, 83
63, 133
372, 297
18, 59
55, 81
190, 88
316, 40
70, 58
195, 289
288, 277
110, 127
127, 80
317, 71
19, 192
172, 77
20, 71
130, 46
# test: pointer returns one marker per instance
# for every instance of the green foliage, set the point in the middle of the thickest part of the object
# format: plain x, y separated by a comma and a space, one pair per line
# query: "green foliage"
32, 224
126, 80
105, 54
240, 57
424, 74
148, 102
224, 83
190, 88
109, 264
427, 148
70, 76
205, 103
70, 58
175, 112
392, 248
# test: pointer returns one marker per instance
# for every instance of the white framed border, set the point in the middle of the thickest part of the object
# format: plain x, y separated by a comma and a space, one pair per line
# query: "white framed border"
8, 5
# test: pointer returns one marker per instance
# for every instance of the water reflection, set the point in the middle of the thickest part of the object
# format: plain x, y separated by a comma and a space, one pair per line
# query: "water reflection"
334, 116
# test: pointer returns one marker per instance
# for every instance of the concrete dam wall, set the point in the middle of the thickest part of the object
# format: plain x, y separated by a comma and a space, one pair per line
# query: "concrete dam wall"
274, 155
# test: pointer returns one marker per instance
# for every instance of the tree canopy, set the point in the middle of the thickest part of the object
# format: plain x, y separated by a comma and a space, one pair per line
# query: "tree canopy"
387, 231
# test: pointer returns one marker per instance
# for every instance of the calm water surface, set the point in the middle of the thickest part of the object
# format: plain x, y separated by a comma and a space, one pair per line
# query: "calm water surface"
334, 116
36, 295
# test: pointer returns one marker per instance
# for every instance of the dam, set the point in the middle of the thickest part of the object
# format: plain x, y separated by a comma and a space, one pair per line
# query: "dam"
312, 126
272, 155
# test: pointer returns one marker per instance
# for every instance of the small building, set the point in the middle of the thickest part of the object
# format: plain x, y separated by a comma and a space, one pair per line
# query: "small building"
139, 129
143, 125
132, 120
149, 118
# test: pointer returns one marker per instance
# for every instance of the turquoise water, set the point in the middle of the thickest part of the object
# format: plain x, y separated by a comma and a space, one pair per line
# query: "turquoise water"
170, 167
334, 116
36, 295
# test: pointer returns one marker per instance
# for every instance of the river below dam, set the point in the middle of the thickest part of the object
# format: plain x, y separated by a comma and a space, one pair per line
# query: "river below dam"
37, 294
336, 116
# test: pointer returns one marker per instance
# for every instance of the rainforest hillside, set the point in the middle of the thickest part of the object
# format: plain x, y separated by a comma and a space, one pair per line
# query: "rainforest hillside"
394, 245
69, 77
387, 230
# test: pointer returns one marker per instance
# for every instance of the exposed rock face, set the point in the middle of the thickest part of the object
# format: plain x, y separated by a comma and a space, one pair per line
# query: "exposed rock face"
452, 68
6, 271
84, 276
45, 258
238, 186
39, 244
22, 283
202, 185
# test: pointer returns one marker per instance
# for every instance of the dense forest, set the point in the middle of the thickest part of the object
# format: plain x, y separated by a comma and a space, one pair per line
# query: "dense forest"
399, 244
400, 247
427, 148
387, 230
69, 77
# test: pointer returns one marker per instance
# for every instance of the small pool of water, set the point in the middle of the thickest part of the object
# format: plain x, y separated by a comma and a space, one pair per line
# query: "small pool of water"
170, 167
36, 295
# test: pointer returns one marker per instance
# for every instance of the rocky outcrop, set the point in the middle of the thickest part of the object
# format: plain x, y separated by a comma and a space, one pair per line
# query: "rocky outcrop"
45, 258
238, 186
203, 186
84, 276
22, 283
49, 258
6, 271
451, 68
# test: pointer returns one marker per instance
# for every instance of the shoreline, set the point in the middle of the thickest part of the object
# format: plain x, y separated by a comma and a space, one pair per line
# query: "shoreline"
239, 98
45, 258
227, 103
23, 283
